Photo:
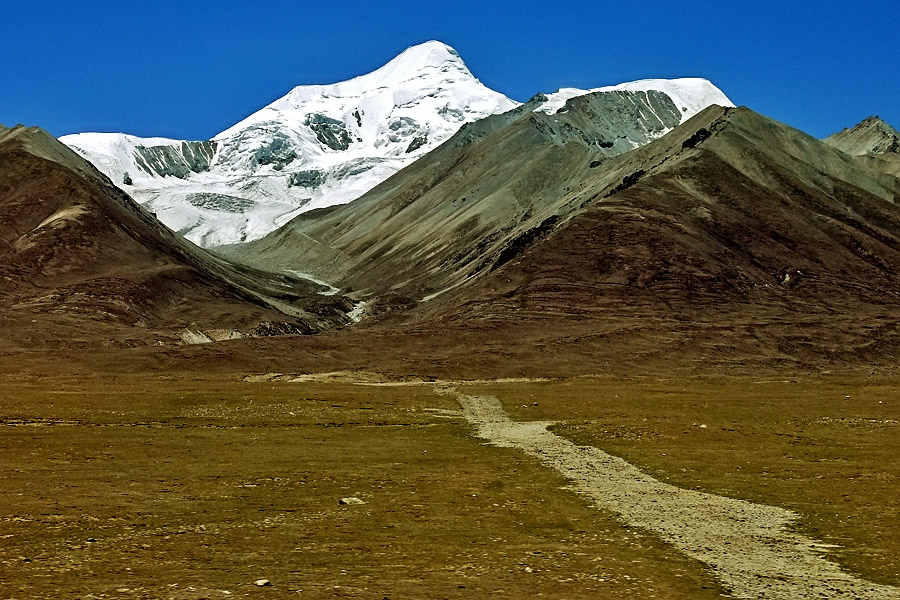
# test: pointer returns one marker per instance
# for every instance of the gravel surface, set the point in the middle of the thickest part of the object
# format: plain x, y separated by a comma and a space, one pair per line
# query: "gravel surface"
749, 546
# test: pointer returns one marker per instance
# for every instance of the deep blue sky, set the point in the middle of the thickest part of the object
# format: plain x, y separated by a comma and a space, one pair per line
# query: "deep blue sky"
190, 69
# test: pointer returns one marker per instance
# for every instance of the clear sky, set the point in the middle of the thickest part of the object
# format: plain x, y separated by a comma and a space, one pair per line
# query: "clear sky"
189, 69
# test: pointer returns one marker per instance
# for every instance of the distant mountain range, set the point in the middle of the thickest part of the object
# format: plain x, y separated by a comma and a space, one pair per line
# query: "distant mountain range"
649, 219
322, 145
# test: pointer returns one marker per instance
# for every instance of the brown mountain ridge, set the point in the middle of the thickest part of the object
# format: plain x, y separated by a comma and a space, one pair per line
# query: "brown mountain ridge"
731, 235
77, 252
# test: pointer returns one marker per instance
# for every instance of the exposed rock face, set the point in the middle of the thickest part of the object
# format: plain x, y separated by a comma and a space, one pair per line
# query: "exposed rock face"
307, 179
630, 119
417, 142
221, 202
870, 136
330, 132
175, 161
266, 146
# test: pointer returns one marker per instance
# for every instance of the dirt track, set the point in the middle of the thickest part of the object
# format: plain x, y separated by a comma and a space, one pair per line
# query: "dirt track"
749, 546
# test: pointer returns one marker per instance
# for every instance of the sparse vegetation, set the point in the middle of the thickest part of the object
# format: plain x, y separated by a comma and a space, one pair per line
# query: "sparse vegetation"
627, 182
192, 484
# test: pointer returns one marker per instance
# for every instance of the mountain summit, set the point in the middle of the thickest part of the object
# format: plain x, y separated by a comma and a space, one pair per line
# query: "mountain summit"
323, 145
317, 146
416, 62
870, 136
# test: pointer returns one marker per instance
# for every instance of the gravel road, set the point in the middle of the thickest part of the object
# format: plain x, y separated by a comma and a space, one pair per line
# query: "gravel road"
749, 546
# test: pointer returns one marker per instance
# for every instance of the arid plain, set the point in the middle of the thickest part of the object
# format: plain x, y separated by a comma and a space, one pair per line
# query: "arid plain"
198, 481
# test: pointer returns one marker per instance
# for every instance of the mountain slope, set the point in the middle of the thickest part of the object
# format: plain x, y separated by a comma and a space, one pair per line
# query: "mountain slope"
731, 236
870, 136
317, 146
449, 216
753, 209
75, 249
752, 243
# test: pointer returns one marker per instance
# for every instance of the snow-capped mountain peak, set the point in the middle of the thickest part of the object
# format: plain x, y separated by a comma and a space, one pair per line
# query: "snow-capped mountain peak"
321, 145
690, 94
433, 54
427, 69
415, 62
418, 62
316, 146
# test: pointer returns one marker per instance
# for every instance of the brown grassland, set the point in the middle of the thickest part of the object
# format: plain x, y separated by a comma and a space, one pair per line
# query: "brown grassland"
196, 485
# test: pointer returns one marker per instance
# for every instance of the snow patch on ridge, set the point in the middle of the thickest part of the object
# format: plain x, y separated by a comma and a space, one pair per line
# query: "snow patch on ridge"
691, 94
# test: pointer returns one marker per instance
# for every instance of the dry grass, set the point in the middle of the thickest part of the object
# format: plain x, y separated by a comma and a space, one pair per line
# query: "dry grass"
825, 447
191, 487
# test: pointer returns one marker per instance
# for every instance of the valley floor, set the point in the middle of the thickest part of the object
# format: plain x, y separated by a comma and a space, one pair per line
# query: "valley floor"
196, 486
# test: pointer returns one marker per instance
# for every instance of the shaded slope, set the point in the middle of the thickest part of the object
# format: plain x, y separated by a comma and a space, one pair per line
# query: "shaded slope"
75, 246
756, 245
497, 185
